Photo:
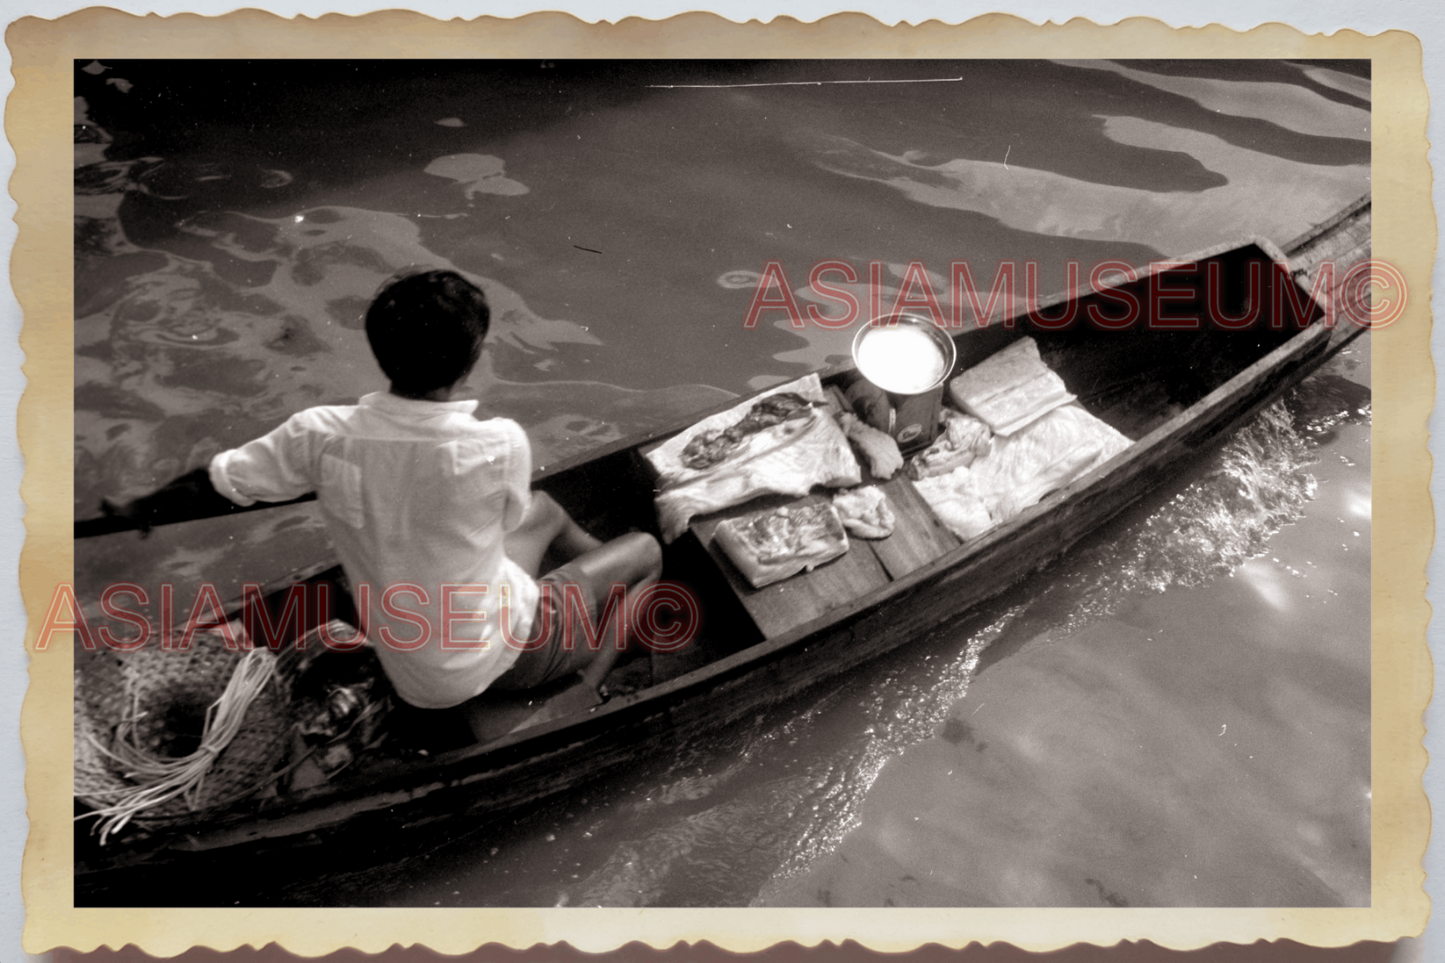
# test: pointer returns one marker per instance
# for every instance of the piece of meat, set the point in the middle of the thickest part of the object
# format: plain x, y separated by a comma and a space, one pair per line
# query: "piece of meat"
881, 450
964, 438
710, 447
804, 449
770, 546
772, 409
865, 512
787, 459
1021, 469
956, 502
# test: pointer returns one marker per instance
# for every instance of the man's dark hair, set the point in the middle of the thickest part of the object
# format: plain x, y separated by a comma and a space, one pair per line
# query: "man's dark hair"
426, 330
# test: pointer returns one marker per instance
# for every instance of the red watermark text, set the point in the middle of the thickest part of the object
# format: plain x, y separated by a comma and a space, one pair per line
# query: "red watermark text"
1111, 295
661, 617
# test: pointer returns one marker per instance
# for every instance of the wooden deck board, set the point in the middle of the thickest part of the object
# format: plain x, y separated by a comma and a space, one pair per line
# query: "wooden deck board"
806, 596
917, 539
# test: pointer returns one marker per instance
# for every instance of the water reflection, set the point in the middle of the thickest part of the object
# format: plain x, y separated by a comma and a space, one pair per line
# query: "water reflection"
1043, 202
1283, 104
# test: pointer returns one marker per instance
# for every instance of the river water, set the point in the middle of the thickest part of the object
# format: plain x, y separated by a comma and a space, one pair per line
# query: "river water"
1175, 714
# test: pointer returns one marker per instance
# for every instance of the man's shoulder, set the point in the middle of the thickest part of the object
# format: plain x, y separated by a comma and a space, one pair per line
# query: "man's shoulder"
495, 431
323, 417
489, 445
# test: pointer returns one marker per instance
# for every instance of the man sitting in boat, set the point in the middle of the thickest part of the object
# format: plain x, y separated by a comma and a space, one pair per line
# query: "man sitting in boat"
431, 513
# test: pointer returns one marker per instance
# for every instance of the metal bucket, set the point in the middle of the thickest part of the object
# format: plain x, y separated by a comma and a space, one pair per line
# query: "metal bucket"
904, 360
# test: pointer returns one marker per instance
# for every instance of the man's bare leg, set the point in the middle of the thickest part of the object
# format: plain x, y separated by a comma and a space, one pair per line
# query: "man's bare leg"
547, 526
635, 560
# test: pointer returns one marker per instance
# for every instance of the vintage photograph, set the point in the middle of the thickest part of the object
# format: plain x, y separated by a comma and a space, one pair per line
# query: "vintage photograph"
702, 483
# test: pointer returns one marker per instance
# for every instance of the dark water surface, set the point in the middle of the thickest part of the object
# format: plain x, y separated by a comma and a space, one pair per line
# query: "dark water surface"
1176, 714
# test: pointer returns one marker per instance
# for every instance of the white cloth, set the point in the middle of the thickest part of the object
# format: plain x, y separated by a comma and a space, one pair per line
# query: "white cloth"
788, 458
1010, 389
1019, 470
414, 493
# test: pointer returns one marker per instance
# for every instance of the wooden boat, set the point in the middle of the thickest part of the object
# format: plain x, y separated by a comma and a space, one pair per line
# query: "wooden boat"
1175, 391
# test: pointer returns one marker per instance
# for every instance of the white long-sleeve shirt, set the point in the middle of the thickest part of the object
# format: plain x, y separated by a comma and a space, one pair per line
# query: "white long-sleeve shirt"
417, 497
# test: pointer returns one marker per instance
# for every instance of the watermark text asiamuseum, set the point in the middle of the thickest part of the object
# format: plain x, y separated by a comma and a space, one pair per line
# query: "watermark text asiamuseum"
661, 617
1370, 294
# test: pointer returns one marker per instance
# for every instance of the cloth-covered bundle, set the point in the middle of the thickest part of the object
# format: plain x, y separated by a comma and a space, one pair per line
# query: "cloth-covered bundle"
788, 457
158, 702
1010, 389
1065, 444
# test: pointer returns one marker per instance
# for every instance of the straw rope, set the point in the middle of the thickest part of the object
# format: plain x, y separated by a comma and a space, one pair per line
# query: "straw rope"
161, 779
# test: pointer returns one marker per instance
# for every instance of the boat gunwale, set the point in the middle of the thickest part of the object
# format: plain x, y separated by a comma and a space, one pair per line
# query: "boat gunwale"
1301, 241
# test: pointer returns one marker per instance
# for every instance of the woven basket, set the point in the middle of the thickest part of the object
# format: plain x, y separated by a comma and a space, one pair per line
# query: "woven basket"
171, 689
